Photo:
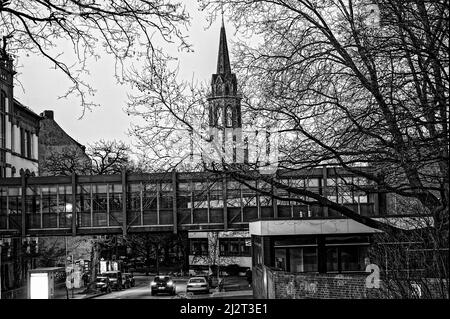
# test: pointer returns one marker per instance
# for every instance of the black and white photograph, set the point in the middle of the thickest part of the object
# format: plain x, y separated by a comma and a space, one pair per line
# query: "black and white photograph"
217, 157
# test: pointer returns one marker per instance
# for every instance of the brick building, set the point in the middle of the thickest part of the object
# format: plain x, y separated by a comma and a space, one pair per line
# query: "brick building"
59, 154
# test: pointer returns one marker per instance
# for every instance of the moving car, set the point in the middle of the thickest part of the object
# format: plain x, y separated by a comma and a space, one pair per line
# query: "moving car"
128, 280
115, 277
162, 284
102, 283
197, 284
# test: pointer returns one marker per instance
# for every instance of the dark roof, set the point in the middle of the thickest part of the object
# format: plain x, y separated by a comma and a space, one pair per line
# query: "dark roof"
56, 123
223, 60
26, 109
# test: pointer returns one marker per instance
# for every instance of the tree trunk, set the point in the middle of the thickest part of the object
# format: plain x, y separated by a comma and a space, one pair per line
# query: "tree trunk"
94, 263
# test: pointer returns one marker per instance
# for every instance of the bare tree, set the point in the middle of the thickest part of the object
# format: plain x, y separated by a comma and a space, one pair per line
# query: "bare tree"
360, 85
108, 157
169, 113
102, 157
156, 246
65, 161
127, 30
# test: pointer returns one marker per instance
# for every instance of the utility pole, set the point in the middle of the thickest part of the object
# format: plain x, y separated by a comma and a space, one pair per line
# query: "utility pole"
1, 245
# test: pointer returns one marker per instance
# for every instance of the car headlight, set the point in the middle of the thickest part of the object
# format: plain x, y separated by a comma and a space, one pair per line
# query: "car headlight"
153, 283
170, 283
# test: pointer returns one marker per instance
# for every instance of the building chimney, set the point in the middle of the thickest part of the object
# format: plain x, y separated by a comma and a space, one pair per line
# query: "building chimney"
47, 114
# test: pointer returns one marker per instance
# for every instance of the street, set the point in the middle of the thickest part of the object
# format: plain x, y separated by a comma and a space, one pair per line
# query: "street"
142, 290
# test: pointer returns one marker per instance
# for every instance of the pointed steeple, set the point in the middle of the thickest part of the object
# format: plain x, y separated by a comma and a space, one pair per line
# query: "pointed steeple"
223, 60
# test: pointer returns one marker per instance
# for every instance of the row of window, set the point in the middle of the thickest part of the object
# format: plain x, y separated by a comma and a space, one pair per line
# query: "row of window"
330, 254
305, 259
26, 139
226, 246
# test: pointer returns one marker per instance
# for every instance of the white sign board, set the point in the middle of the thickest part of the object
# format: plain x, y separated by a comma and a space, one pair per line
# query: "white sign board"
39, 286
102, 266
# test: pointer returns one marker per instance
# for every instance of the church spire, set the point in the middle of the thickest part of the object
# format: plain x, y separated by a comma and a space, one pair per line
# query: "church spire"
223, 60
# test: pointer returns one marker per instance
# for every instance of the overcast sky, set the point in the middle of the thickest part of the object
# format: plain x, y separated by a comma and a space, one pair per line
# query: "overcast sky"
42, 85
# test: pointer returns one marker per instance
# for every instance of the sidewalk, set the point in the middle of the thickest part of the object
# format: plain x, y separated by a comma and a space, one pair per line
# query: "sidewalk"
240, 294
237, 294
79, 293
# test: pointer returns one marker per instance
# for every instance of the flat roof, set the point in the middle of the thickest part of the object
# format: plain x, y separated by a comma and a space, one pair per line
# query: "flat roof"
46, 269
329, 226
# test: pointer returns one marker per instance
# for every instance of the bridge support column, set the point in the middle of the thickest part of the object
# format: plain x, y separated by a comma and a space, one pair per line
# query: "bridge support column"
274, 202
225, 207
74, 204
324, 189
23, 179
124, 202
174, 209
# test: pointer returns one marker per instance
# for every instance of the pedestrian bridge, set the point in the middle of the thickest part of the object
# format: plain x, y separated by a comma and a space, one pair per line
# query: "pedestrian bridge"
132, 203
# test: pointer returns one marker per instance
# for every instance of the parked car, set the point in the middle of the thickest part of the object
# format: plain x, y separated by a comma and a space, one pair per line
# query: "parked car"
103, 283
162, 284
197, 284
115, 277
128, 280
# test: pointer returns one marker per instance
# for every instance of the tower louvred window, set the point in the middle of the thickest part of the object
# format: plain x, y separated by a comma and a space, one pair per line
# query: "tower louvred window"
229, 119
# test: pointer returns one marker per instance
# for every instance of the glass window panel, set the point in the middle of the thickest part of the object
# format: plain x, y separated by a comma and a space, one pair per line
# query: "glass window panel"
14, 191
99, 188
362, 199
352, 258
296, 260
300, 183
86, 189
346, 199
233, 185
331, 182
264, 185
265, 200
332, 198
150, 187
200, 186
184, 186
360, 181
134, 188
312, 182
216, 185
249, 201
166, 187
166, 202
310, 259
63, 189
346, 181
250, 183
115, 188
280, 258
33, 190
332, 259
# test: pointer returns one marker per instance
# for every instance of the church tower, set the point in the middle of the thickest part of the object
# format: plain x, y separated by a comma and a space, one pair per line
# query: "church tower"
225, 103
